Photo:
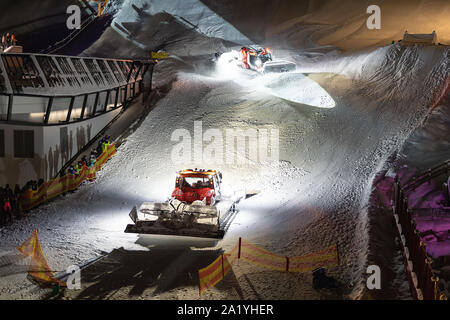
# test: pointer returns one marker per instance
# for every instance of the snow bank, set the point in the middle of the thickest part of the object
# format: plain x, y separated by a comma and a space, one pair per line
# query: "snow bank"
193, 14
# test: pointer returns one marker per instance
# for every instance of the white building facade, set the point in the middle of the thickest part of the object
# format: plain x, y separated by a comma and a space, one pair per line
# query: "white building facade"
52, 106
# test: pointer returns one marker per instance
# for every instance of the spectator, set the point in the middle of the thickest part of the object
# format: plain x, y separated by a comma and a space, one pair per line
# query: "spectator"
8, 191
94, 153
8, 210
104, 146
27, 186
105, 142
99, 150
17, 190
72, 170
78, 167
92, 160
16, 202
84, 161
2, 215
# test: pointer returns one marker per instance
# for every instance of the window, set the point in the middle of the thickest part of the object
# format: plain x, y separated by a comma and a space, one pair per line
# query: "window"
95, 72
22, 72
105, 72
125, 68
24, 143
68, 71
115, 70
81, 71
2, 143
51, 71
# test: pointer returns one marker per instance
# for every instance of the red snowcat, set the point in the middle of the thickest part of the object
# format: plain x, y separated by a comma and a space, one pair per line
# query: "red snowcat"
197, 208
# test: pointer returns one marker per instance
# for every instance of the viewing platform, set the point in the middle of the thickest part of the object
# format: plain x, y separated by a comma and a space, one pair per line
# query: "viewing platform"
51, 106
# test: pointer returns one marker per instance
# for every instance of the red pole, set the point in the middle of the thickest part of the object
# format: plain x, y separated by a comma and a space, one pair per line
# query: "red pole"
239, 249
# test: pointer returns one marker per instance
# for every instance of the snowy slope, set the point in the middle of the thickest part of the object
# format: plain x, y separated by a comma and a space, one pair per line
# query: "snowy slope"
316, 196
330, 148
296, 24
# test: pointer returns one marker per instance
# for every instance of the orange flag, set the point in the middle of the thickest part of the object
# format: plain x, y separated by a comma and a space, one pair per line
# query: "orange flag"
39, 269
26, 249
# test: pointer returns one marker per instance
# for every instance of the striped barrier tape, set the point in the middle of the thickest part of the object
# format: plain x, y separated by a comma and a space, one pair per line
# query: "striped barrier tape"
328, 257
217, 270
262, 257
55, 187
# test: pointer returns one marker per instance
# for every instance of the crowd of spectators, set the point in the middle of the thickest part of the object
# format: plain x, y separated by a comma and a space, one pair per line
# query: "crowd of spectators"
9, 199
95, 153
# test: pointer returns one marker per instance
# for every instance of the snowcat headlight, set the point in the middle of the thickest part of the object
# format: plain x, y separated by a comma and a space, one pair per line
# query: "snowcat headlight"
258, 63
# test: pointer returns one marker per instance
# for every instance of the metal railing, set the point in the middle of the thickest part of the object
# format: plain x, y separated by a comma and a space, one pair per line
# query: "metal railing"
416, 252
416, 181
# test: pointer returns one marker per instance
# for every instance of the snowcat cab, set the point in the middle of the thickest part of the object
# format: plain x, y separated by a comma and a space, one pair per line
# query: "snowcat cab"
255, 58
198, 185
261, 60
197, 208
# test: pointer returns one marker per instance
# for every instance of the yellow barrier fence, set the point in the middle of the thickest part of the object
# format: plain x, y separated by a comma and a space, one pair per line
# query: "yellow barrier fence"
53, 188
217, 270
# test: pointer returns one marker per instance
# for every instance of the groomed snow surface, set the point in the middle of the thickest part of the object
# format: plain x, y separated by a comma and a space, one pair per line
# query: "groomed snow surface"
339, 118
316, 195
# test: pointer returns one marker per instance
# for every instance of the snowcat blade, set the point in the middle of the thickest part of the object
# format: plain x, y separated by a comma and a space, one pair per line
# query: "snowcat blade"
198, 230
279, 66
133, 214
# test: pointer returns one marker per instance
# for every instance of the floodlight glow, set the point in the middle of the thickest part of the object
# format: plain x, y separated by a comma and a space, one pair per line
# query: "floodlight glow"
291, 86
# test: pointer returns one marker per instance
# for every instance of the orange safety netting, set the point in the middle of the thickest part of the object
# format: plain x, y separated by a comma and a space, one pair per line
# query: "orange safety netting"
52, 188
328, 257
262, 257
39, 269
216, 271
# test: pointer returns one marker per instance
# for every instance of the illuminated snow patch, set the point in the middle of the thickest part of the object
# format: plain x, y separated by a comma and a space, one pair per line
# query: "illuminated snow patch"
291, 86
227, 67
295, 87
